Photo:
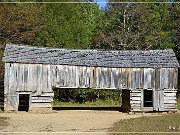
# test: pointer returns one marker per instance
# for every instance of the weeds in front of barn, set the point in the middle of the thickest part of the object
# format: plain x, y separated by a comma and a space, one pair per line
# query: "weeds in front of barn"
96, 103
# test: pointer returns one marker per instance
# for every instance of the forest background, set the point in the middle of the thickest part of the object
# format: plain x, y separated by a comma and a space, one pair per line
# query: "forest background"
80, 24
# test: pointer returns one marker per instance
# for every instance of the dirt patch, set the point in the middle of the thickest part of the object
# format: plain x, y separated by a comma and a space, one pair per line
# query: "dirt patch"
64, 122
3, 122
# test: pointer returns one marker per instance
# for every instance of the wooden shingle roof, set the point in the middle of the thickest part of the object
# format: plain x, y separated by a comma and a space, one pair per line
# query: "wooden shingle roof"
31, 54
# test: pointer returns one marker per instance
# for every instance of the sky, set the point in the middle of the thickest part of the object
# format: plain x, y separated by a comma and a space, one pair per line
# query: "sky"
103, 4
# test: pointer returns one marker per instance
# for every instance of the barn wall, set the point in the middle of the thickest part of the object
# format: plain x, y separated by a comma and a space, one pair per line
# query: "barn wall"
39, 79
136, 99
170, 90
34, 79
89, 77
163, 83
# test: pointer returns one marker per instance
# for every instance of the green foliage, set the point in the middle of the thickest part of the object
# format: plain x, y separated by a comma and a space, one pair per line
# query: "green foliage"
97, 103
86, 95
136, 26
68, 25
175, 13
19, 22
160, 22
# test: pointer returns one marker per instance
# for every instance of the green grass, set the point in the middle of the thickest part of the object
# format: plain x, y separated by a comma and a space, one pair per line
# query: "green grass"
178, 103
97, 103
148, 124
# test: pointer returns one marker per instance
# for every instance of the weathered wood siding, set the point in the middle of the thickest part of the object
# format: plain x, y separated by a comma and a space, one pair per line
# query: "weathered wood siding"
163, 83
170, 101
34, 79
90, 77
136, 100
149, 78
39, 79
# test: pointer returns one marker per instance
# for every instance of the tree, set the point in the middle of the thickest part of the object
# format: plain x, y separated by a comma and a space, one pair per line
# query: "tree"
68, 25
128, 28
175, 15
19, 23
160, 22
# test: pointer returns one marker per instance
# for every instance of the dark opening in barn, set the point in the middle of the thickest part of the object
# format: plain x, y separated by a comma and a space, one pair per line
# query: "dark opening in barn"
126, 100
148, 98
23, 102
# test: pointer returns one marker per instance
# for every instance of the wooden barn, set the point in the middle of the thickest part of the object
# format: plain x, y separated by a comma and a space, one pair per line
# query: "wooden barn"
148, 79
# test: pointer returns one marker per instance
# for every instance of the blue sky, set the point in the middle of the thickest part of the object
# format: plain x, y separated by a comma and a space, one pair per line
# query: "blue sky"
103, 4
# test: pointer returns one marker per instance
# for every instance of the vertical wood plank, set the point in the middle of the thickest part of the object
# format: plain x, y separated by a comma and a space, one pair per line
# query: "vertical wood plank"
77, 76
98, 77
49, 83
149, 78
137, 74
124, 78
53, 75
26, 79
155, 100
6, 78
92, 77
157, 79
164, 75
175, 79
161, 100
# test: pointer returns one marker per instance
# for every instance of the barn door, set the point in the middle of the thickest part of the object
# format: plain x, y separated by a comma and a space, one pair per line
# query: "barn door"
158, 99
148, 98
23, 102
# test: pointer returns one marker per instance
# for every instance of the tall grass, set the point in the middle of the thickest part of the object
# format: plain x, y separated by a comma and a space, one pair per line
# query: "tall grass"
97, 103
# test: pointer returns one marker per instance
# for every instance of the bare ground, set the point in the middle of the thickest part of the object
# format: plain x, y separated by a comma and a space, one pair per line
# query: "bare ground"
63, 122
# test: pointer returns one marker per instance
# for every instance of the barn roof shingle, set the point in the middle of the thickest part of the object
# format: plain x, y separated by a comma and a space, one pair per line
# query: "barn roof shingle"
32, 54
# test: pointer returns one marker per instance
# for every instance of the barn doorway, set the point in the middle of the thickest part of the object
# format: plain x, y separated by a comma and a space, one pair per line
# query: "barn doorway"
23, 102
126, 100
87, 99
148, 98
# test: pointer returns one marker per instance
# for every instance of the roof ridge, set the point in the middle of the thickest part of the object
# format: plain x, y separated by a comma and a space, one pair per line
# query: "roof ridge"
86, 57
42, 47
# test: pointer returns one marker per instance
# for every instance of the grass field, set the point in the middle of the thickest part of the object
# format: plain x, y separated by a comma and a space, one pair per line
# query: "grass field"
149, 124
97, 103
